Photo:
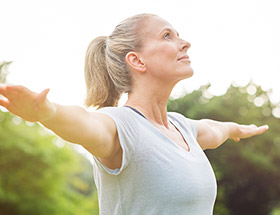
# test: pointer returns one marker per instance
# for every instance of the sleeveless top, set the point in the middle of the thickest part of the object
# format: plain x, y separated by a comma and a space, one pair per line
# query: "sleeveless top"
157, 176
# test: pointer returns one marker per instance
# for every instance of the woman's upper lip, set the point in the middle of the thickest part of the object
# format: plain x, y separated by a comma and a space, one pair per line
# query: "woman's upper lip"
184, 57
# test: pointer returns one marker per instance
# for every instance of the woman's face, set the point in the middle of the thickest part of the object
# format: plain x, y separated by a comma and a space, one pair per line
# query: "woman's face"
164, 52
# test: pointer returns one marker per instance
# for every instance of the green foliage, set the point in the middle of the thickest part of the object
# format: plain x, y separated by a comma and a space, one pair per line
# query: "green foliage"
38, 177
247, 172
4, 71
41, 174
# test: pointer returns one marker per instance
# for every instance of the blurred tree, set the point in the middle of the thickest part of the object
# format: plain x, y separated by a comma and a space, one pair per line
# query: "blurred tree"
247, 172
4, 71
40, 173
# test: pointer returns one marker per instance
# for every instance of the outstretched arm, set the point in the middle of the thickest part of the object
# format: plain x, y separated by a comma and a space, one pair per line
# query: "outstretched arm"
94, 131
212, 134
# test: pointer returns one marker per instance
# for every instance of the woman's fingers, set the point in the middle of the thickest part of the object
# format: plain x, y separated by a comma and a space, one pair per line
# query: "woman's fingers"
5, 103
3, 93
43, 95
3, 90
262, 129
249, 131
12, 91
259, 130
236, 139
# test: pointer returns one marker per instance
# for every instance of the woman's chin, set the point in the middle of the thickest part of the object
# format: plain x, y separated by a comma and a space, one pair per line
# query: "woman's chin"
189, 73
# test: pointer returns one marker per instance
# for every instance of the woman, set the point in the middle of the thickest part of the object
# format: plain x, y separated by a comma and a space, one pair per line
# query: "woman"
146, 161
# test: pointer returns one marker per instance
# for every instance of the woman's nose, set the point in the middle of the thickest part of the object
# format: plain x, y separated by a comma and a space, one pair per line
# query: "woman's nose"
185, 45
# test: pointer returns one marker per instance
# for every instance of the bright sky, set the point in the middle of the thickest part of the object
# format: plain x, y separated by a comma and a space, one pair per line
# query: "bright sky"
235, 40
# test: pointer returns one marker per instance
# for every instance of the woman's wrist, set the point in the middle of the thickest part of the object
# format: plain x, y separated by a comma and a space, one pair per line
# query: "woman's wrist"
49, 114
234, 131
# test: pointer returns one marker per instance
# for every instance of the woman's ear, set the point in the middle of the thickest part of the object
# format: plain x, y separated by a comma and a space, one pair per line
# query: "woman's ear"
135, 62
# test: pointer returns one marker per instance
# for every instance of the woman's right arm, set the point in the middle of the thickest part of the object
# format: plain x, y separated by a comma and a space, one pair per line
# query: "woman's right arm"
95, 131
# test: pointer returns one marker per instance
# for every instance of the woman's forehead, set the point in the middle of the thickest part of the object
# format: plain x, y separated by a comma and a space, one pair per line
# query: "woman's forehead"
155, 25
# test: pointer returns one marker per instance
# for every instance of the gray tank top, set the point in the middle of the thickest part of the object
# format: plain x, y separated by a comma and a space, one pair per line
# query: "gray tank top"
157, 176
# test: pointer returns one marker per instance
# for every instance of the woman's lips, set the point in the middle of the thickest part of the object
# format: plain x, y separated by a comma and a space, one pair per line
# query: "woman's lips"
184, 58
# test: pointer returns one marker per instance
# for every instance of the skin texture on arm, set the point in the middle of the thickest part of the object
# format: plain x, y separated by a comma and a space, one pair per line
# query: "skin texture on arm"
211, 134
96, 132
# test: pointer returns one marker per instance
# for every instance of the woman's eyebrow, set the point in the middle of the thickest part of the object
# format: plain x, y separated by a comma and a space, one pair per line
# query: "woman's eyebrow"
169, 29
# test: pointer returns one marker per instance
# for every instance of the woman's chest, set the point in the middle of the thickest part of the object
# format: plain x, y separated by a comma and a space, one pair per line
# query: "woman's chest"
166, 173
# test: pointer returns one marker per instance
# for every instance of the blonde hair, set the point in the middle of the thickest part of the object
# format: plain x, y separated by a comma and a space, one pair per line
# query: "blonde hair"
107, 75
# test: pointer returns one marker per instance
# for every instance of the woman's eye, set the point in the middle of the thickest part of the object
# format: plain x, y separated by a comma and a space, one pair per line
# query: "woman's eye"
167, 36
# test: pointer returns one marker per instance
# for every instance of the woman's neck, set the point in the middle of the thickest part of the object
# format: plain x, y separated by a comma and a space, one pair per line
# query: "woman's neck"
151, 103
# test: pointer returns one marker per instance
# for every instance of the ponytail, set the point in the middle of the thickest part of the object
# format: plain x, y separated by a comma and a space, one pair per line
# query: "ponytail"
101, 91
106, 71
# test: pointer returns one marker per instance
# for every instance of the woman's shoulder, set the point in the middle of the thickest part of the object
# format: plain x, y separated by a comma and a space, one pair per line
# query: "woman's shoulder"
112, 110
123, 115
183, 121
177, 116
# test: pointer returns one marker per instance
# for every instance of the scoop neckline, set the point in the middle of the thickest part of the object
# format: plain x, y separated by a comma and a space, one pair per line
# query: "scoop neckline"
177, 127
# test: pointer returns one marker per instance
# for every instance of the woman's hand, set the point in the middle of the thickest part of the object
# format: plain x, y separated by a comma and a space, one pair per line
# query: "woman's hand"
245, 131
26, 104
211, 134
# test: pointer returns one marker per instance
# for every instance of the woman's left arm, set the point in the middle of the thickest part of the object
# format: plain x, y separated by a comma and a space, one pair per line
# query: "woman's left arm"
211, 134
